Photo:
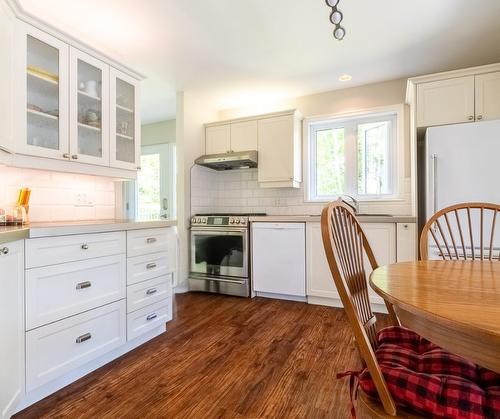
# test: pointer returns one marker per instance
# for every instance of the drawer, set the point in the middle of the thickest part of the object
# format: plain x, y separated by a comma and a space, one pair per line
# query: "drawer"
141, 268
59, 291
148, 318
60, 347
142, 242
148, 292
52, 250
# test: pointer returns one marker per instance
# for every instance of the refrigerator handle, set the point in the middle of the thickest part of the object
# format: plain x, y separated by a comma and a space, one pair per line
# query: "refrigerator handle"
435, 181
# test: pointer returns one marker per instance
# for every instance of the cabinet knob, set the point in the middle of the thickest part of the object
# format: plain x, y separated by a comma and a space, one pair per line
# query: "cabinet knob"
66, 155
4, 250
471, 118
74, 156
85, 246
479, 117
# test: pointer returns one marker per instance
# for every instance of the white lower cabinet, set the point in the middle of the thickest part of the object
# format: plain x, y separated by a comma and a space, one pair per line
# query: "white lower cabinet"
11, 326
320, 285
278, 258
59, 347
406, 242
141, 268
148, 292
148, 318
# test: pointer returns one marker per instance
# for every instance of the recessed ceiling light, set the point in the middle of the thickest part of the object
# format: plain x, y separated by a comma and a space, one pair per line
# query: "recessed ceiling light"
345, 77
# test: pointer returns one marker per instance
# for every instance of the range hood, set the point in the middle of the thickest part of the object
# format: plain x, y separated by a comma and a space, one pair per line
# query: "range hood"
229, 161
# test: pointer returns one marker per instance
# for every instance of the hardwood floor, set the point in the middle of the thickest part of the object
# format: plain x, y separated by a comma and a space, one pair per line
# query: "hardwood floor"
223, 357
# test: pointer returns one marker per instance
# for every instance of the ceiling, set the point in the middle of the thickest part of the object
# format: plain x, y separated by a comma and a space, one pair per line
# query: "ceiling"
242, 52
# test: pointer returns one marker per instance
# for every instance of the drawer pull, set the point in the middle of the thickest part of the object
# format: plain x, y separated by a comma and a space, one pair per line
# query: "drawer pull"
150, 240
151, 291
85, 246
151, 265
83, 338
151, 317
82, 285
4, 250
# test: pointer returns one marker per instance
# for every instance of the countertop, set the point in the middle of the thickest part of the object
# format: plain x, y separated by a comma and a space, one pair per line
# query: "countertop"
317, 219
62, 228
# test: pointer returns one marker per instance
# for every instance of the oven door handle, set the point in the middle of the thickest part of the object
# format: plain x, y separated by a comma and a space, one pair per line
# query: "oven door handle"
219, 232
231, 281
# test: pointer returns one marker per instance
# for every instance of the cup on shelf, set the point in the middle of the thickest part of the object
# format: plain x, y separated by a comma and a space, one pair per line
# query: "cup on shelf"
91, 88
123, 127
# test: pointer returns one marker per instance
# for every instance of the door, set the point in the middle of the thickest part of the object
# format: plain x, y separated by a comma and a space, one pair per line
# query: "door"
488, 96
218, 139
89, 109
216, 253
41, 102
244, 136
156, 182
276, 136
125, 124
445, 102
12, 326
278, 258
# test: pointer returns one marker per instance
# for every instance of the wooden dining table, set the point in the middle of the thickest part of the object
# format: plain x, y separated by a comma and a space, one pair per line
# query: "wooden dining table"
454, 304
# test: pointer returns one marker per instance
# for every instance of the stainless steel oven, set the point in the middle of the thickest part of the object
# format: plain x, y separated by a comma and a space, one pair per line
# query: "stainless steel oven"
220, 256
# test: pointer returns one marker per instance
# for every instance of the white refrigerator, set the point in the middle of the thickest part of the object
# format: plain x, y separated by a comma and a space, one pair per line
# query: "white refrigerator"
462, 164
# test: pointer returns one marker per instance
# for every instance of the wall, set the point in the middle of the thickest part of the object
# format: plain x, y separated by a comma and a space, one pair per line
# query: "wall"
54, 194
158, 133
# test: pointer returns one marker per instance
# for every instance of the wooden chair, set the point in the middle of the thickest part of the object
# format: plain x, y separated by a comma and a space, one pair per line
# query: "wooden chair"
345, 245
462, 232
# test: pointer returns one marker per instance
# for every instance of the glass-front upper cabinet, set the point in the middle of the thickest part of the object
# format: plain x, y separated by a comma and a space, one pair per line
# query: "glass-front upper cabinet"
42, 110
125, 123
89, 109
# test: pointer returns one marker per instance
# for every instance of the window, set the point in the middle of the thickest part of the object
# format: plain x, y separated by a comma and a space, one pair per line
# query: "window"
354, 156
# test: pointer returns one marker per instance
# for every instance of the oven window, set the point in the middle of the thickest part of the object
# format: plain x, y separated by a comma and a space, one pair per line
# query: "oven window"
218, 254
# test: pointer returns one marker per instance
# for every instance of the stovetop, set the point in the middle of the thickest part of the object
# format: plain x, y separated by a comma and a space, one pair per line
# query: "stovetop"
222, 220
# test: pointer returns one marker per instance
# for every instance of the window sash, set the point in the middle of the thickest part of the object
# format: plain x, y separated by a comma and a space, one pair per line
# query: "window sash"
350, 126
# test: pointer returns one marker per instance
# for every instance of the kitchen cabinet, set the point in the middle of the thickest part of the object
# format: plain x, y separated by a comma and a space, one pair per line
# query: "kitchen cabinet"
41, 96
320, 285
11, 326
125, 122
406, 239
244, 136
218, 139
279, 150
278, 259
488, 96
442, 102
6, 77
89, 109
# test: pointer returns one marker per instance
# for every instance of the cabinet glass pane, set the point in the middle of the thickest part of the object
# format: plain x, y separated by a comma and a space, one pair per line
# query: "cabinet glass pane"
89, 110
42, 106
125, 117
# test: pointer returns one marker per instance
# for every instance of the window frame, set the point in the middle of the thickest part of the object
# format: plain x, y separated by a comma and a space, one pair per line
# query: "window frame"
314, 124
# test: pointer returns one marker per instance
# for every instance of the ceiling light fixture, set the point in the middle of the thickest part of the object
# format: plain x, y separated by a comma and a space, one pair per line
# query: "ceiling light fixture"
336, 17
345, 77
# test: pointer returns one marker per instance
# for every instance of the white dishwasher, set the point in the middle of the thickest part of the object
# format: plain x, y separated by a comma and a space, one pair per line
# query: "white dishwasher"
279, 259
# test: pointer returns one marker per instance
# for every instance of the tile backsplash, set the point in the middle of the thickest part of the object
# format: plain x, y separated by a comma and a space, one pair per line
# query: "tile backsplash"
60, 196
239, 191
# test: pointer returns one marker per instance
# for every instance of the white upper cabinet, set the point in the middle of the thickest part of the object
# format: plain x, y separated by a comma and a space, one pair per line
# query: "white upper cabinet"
125, 122
89, 109
6, 77
279, 148
244, 136
11, 326
444, 102
218, 139
488, 96
41, 96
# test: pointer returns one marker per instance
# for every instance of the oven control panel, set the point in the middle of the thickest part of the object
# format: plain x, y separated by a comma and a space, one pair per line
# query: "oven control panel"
218, 221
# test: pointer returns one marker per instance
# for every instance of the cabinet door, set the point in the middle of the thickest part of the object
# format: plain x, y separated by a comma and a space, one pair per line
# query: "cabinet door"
278, 258
445, 102
89, 109
382, 239
125, 122
6, 77
41, 102
488, 96
319, 278
276, 149
218, 139
11, 326
406, 242
244, 136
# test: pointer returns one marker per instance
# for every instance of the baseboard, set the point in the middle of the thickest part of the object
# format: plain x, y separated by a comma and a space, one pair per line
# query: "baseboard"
281, 296
335, 302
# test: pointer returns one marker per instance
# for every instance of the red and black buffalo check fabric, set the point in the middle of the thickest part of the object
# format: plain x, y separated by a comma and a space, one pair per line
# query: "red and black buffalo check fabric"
431, 381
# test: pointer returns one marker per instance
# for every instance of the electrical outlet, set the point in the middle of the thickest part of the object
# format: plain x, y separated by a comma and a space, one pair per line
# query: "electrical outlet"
83, 199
